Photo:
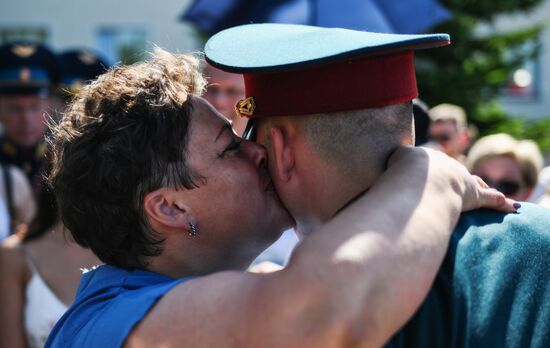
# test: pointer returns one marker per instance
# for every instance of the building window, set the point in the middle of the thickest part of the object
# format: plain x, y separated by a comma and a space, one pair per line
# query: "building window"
122, 45
523, 83
23, 34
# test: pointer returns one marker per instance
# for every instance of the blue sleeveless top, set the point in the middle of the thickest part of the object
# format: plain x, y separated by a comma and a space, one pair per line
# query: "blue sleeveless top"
493, 288
110, 301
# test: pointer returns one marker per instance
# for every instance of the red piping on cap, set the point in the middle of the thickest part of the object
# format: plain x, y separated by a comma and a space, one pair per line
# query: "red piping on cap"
369, 82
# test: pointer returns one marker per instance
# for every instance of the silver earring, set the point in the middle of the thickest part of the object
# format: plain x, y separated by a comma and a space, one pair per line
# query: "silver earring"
193, 229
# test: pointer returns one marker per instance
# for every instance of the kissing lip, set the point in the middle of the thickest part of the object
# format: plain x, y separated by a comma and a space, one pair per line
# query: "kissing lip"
267, 182
270, 187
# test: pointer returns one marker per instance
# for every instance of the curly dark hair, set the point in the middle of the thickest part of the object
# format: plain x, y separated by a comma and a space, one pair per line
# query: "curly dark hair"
123, 136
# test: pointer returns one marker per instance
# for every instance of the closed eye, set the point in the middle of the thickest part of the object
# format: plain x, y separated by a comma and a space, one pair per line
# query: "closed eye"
233, 146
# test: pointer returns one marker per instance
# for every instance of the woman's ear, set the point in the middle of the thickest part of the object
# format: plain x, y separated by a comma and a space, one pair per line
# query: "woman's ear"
164, 207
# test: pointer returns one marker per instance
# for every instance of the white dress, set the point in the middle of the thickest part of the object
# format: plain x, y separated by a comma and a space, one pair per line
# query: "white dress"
42, 310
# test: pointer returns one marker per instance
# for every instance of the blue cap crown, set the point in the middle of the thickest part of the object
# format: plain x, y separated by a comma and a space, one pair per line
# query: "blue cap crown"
263, 47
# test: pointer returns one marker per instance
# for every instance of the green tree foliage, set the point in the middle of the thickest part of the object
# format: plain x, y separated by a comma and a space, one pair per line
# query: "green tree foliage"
473, 70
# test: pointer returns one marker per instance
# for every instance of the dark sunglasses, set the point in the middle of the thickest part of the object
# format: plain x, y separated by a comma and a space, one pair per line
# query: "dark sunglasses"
443, 138
250, 130
508, 188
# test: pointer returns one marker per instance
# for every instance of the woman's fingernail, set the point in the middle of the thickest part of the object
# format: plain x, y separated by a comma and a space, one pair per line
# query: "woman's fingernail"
517, 205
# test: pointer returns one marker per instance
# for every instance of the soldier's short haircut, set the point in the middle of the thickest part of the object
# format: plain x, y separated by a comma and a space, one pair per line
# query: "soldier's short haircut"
352, 139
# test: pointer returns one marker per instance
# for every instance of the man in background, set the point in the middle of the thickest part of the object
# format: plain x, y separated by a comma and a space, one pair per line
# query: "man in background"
28, 74
449, 129
224, 90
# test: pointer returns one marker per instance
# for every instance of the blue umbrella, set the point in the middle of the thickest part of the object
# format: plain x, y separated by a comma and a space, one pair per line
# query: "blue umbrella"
387, 16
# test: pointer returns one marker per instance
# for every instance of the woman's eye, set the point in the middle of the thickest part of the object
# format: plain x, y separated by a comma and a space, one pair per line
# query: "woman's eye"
233, 146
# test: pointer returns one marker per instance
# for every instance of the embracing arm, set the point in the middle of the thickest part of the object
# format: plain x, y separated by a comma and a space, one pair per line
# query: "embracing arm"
353, 283
393, 239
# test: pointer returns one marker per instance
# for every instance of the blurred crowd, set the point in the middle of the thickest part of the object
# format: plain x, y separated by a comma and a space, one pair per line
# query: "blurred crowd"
515, 167
35, 85
40, 266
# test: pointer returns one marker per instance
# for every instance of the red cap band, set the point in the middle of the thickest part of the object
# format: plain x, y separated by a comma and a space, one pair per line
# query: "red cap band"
346, 85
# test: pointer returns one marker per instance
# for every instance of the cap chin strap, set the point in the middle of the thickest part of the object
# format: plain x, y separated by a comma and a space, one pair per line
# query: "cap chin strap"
250, 130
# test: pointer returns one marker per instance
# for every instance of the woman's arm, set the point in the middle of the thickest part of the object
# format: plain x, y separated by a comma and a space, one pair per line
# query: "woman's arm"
380, 255
352, 283
13, 277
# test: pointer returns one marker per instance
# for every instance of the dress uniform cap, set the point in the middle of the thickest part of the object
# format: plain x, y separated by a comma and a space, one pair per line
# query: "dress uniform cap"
294, 69
27, 68
79, 66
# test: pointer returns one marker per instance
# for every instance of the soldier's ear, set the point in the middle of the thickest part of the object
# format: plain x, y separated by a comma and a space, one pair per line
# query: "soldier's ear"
283, 153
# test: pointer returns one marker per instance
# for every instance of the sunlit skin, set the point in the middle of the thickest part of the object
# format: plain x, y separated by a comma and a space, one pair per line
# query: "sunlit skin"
503, 168
223, 92
23, 118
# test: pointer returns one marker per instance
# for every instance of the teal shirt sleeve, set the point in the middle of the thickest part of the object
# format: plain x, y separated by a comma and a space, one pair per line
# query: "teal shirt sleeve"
493, 288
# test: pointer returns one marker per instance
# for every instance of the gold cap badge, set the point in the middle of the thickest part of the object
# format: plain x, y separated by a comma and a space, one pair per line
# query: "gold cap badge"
246, 106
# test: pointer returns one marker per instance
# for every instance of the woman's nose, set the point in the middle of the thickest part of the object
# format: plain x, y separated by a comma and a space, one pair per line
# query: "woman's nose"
257, 153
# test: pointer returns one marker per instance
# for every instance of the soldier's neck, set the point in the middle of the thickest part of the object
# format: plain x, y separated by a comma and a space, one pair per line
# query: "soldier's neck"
332, 194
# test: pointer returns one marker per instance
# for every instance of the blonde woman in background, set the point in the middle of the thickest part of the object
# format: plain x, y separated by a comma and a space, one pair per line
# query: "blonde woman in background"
511, 166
